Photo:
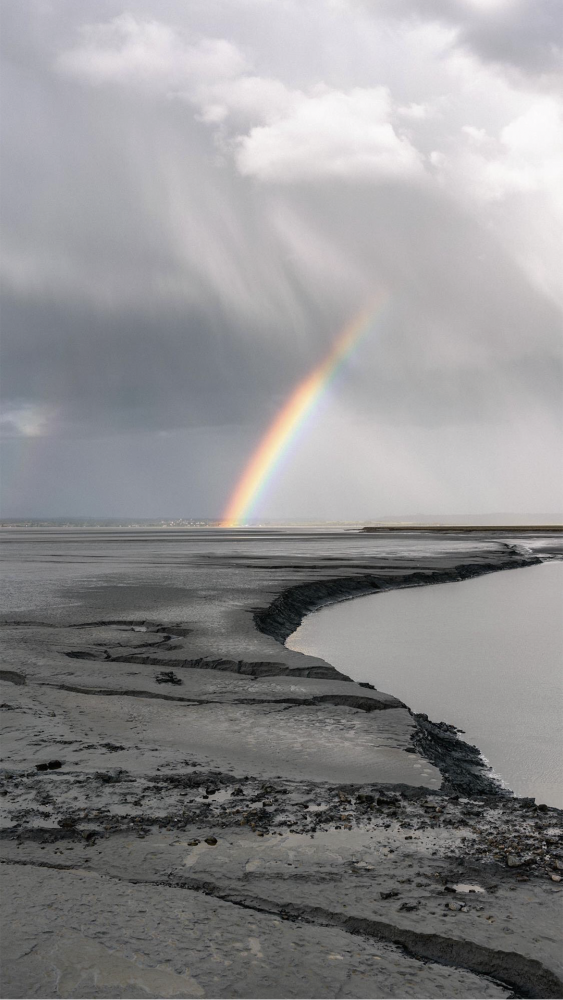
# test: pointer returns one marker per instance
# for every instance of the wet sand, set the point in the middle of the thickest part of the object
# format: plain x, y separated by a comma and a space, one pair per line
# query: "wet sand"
192, 809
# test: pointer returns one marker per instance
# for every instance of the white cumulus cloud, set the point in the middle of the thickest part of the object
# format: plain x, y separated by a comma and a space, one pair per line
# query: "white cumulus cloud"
329, 133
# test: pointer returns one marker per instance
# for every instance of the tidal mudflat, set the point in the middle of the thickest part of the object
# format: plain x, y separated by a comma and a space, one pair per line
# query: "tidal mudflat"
193, 809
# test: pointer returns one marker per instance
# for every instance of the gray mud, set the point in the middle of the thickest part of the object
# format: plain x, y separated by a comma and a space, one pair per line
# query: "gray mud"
190, 809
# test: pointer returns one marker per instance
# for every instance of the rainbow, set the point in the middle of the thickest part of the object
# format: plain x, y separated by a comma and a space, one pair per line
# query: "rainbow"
289, 421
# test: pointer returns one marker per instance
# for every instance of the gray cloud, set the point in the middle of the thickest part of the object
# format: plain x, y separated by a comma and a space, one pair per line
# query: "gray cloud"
522, 34
189, 221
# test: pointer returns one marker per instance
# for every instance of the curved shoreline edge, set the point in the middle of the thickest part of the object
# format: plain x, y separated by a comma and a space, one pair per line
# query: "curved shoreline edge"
286, 612
463, 768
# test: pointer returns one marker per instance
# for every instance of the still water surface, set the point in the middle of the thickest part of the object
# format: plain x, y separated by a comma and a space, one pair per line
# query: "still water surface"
485, 655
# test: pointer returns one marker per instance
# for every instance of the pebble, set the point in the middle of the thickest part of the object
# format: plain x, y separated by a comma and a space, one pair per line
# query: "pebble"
514, 860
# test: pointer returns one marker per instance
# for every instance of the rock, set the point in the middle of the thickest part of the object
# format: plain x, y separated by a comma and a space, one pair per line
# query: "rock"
110, 777
385, 800
168, 677
454, 906
211, 841
389, 895
556, 878
515, 860
68, 822
193, 843
49, 765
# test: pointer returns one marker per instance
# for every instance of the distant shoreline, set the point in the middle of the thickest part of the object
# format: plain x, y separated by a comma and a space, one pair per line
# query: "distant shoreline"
513, 529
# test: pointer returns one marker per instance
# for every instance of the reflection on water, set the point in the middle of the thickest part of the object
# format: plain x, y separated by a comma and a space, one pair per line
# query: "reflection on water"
485, 655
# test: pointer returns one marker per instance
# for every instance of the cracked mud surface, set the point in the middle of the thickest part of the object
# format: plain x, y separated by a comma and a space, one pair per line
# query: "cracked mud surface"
190, 809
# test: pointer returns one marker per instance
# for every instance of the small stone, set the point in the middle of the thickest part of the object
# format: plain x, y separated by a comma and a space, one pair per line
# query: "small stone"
211, 841
389, 895
68, 822
514, 860
168, 677
193, 843
49, 765
556, 878
454, 906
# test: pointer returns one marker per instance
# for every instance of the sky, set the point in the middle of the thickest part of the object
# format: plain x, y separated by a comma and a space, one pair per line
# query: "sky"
197, 198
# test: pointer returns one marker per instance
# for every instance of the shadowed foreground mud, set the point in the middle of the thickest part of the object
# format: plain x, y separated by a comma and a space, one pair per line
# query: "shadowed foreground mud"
192, 810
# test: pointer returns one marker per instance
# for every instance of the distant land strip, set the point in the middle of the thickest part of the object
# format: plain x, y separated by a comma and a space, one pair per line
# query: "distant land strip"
513, 529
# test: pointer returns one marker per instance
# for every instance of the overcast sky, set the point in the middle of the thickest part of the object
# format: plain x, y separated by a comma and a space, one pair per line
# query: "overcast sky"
198, 196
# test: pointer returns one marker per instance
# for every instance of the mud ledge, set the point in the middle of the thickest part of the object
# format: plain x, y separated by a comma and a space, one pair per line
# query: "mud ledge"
286, 612
462, 766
